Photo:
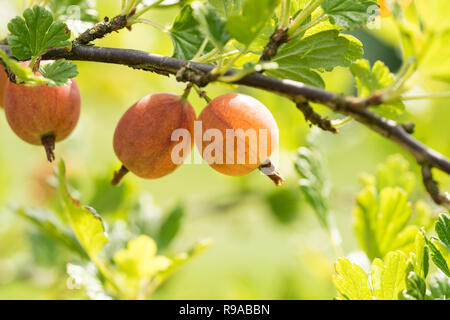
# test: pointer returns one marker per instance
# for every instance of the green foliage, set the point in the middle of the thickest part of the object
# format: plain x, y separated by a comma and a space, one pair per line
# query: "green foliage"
301, 58
124, 265
370, 80
350, 14
387, 278
247, 25
80, 10
416, 288
381, 222
60, 72
24, 75
351, 281
227, 7
86, 224
439, 247
35, 33
211, 25
186, 35
313, 183
439, 286
170, 226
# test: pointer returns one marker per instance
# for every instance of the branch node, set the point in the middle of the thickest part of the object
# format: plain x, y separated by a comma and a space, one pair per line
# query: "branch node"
315, 118
409, 127
187, 73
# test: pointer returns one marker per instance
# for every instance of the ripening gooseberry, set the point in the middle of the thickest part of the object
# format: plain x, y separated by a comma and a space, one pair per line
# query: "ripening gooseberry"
143, 137
242, 131
42, 115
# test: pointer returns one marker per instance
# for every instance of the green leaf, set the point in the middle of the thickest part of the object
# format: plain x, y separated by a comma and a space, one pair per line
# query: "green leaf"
395, 172
321, 51
370, 80
24, 75
313, 183
86, 224
439, 285
443, 229
351, 281
211, 25
60, 72
247, 25
35, 33
439, 248
170, 227
381, 223
79, 10
388, 276
186, 36
139, 259
227, 7
421, 255
350, 14
46, 222
416, 288
440, 255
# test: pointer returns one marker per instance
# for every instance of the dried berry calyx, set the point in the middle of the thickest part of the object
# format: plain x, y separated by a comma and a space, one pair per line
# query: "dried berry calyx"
42, 115
154, 136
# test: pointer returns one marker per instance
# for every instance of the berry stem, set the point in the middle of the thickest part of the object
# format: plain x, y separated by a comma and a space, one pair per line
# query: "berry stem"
48, 142
118, 175
269, 169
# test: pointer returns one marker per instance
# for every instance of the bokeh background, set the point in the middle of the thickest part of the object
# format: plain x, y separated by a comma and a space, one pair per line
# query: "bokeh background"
268, 242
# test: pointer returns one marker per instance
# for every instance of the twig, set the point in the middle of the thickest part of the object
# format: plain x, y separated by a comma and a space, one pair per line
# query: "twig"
315, 118
101, 29
296, 91
433, 188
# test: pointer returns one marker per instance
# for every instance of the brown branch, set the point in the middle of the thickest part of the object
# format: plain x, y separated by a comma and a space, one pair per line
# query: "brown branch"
278, 38
315, 118
296, 91
101, 29
433, 188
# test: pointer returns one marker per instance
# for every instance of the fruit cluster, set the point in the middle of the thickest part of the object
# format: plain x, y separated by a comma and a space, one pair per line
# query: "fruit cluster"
156, 134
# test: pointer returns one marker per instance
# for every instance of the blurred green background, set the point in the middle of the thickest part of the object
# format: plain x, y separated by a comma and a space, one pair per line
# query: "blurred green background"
261, 251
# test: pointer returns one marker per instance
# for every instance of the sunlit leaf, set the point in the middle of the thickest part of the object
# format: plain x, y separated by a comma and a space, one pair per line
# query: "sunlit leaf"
368, 80
246, 25
381, 224
350, 14
35, 33
86, 224
388, 276
351, 282
60, 72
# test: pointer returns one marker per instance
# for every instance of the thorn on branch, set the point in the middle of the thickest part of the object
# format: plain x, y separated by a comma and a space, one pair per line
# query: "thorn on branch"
433, 188
278, 38
101, 29
315, 118
409, 127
